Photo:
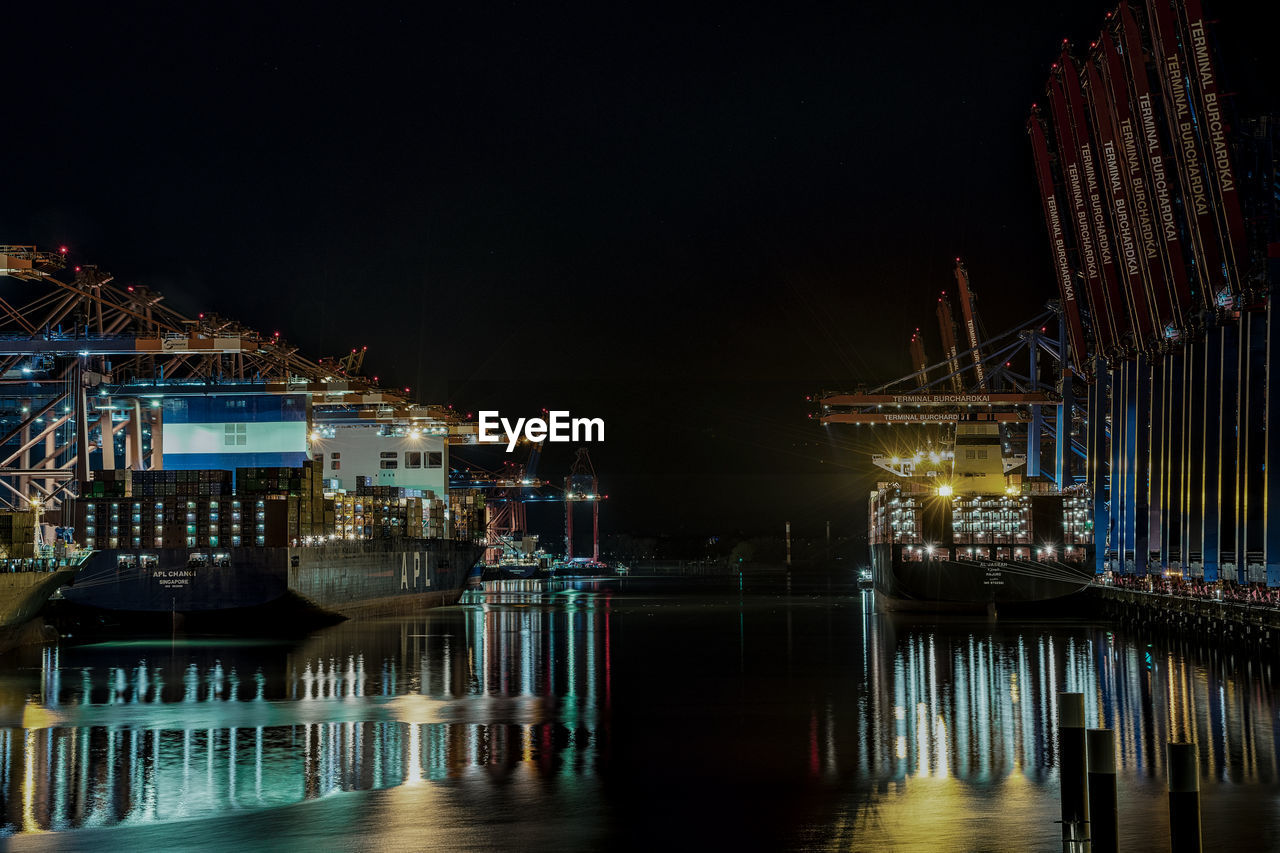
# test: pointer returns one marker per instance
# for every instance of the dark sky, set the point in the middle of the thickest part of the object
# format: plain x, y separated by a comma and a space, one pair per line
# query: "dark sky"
682, 220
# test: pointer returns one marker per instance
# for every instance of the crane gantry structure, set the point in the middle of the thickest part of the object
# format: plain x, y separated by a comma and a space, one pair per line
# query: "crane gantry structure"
84, 358
1162, 214
1002, 379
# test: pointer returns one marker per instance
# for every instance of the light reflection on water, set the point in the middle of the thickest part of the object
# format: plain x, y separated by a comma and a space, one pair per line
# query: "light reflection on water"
586, 719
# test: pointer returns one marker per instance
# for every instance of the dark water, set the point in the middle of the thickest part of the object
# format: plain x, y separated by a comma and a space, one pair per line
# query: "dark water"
587, 722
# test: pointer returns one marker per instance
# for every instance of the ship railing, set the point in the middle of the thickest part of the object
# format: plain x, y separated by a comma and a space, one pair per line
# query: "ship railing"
19, 565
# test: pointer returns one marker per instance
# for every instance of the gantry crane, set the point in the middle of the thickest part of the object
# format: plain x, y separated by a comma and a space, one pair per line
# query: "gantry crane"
582, 485
1004, 386
88, 358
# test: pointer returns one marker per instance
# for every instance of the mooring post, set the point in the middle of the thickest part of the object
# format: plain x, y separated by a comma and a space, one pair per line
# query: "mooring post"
1072, 767
1184, 798
1100, 758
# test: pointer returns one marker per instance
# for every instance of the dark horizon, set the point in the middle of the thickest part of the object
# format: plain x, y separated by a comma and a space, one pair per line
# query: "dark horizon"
683, 223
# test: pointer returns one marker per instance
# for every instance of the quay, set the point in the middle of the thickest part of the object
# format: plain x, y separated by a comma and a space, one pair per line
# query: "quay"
1233, 616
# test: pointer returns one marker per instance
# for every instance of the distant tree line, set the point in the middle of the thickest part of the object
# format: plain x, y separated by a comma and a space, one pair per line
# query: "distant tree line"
732, 549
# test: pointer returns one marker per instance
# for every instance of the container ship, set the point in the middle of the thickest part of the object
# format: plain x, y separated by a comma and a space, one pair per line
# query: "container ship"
963, 534
194, 466
213, 547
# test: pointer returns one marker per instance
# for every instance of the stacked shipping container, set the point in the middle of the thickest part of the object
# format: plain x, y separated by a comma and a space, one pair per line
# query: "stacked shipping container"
271, 507
17, 535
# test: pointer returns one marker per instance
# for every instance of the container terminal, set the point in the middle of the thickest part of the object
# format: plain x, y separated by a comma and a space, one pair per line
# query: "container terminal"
160, 463
1140, 399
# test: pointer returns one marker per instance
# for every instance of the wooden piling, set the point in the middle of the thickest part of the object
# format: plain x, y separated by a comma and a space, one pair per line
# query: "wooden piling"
1100, 759
1071, 765
1184, 798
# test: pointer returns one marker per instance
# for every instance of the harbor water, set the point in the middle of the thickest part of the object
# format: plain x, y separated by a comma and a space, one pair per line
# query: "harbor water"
589, 721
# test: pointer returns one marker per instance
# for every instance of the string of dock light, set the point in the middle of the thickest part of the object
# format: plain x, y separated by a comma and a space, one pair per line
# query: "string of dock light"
1043, 551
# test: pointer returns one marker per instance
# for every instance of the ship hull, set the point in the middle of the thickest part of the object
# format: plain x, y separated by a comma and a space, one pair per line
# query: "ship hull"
970, 585
341, 578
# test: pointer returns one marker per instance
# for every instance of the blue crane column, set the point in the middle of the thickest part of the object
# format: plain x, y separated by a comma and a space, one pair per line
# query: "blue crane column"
1062, 448
1115, 526
1156, 506
1097, 465
1271, 473
1251, 437
1037, 425
1137, 437
1193, 420
1225, 392
1173, 487
1210, 449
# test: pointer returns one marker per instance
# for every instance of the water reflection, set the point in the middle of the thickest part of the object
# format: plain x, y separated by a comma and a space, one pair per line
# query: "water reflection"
769, 721
981, 706
185, 731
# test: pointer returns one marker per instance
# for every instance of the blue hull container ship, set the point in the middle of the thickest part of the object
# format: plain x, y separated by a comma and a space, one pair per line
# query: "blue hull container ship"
212, 542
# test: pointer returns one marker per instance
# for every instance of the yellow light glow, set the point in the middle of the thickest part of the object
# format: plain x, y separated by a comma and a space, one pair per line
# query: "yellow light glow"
944, 491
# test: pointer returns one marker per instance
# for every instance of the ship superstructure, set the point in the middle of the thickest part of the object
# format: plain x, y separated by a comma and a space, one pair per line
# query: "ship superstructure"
964, 530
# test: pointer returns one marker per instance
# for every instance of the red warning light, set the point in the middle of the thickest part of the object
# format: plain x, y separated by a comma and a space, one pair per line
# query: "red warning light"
130, 288
77, 269
62, 249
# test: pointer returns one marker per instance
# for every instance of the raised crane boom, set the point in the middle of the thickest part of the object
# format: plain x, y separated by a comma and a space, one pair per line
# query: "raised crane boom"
947, 326
918, 362
970, 321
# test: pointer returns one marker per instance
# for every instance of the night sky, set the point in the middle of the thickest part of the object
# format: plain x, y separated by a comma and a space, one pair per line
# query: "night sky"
682, 220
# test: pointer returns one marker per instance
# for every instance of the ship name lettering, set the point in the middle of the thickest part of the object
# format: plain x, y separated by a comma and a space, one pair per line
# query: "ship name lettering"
418, 562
